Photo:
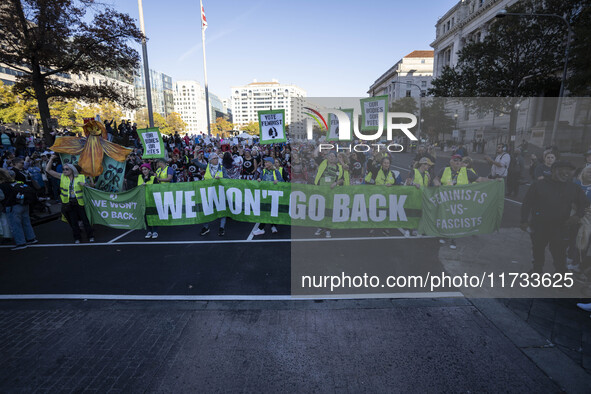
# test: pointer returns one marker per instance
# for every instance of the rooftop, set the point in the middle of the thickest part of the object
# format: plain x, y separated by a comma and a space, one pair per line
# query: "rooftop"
420, 54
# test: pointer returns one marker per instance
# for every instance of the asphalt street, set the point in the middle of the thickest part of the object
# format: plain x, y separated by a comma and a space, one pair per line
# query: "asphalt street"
183, 263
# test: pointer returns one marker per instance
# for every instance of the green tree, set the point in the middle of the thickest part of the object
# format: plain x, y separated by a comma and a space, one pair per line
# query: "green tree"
47, 39
252, 128
405, 104
174, 124
436, 119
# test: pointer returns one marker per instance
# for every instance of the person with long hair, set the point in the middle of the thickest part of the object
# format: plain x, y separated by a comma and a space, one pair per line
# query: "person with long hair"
72, 198
17, 212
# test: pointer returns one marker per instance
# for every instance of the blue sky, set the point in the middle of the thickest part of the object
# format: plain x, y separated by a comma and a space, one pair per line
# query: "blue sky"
328, 48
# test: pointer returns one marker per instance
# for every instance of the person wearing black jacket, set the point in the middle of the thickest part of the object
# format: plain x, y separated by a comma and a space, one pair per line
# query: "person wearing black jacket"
549, 202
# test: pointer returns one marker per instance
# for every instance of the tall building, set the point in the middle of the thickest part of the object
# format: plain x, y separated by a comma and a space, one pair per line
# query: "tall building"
467, 21
416, 68
189, 102
258, 96
162, 92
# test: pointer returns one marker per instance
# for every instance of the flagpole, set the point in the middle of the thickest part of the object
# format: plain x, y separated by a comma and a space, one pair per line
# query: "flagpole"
205, 70
146, 67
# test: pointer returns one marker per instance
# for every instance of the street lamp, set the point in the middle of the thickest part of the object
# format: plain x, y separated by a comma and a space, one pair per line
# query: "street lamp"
420, 105
503, 13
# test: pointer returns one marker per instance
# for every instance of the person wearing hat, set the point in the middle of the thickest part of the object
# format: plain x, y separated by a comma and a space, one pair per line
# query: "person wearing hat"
455, 174
213, 170
421, 175
383, 175
268, 174
331, 172
546, 210
72, 198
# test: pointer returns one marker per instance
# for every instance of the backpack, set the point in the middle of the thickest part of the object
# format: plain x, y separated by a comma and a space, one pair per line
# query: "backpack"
23, 193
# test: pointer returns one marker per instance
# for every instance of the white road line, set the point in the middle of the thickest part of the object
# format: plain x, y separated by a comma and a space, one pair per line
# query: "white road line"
251, 235
119, 237
236, 241
126, 297
513, 201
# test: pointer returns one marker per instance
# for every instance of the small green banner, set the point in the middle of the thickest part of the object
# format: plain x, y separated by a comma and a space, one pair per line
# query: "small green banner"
122, 210
371, 110
460, 211
272, 126
152, 143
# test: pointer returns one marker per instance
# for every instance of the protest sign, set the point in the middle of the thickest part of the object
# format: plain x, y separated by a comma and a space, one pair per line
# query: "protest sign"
333, 126
111, 180
371, 110
460, 211
152, 143
122, 210
272, 126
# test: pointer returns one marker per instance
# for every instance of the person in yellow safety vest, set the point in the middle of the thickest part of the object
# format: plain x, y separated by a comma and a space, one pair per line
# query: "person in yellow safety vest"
420, 177
384, 176
164, 173
146, 178
213, 170
456, 174
71, 183
268, 174
331, 173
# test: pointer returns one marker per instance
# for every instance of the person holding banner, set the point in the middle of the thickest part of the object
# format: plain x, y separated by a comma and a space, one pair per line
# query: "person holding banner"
164, 173
269, 174
330, 173
249, 166
145, 177
213, 170
383, 176
421, 177
71, 183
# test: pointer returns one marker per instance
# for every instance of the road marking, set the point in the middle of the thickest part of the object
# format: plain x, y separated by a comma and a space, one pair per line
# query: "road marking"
235, 241
251, 235
119, 237
127, 297
513, 201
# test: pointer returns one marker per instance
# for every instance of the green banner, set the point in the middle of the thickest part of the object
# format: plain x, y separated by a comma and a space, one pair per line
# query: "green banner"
111, 180
283, 203
460, 211
122, 210
152, 143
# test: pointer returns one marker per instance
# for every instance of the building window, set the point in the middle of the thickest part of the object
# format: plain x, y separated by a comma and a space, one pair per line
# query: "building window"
408, 93
422, 61
423, 84
453, 21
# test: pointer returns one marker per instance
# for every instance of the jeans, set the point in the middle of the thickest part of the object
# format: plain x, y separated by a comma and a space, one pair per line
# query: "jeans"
222, 223
20, 224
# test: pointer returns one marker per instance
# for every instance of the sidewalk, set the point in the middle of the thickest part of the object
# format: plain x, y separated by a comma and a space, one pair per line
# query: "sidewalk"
559, 321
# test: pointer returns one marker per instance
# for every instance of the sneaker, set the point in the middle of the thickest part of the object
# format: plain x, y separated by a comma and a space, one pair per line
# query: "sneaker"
328, 234
452, 244
406, 233
204, 231
148, 235
33, 242
154, 235
222, 232
258, 232
77, 241
318, 232
91, 239
19, 247
274, 230
585, 307
442, 241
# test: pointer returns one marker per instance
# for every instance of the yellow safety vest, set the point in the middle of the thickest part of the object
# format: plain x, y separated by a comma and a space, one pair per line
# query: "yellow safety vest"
140, 180
422, 180
381, 178
208, 173
162, 173
65, 189
462, 178
273, 171
342, 173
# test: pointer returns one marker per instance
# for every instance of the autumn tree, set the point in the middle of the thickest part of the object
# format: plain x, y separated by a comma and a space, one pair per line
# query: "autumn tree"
174, 124
46, 40
222, 125
252, 128
141, 118
14, 107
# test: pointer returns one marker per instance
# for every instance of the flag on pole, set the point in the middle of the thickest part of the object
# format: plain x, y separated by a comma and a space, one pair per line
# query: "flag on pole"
203, 20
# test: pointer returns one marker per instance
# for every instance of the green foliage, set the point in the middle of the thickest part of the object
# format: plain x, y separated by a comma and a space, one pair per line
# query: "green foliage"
252, 128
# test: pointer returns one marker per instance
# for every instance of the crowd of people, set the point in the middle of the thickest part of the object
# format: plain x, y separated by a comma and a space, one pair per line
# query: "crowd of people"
195, 158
